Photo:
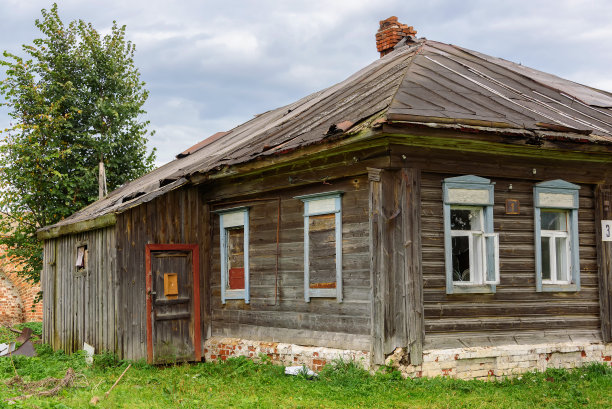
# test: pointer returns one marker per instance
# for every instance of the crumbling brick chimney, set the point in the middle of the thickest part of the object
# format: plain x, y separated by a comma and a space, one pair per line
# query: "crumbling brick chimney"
390, 33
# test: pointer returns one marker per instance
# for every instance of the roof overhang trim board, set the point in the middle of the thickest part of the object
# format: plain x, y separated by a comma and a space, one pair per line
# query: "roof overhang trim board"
101, 222
518, 148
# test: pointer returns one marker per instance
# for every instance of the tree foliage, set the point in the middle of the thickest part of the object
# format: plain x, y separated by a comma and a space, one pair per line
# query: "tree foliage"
75, 97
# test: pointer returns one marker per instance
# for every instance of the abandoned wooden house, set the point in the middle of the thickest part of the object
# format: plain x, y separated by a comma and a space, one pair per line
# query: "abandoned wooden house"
441, 209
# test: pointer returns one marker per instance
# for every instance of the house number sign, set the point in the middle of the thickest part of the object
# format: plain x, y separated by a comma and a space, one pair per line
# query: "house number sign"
606, 230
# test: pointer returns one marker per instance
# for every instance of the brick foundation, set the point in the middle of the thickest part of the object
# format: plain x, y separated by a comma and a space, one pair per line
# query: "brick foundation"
314, 358
502, 361
461, 363
17, 297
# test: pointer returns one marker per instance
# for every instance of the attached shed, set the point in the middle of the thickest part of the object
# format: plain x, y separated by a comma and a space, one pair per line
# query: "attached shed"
441, 209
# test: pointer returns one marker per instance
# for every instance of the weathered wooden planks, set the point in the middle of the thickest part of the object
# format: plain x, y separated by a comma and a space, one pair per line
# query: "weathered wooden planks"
277, 297
395, 247
515, 307
79, 306
174, 218
603, 211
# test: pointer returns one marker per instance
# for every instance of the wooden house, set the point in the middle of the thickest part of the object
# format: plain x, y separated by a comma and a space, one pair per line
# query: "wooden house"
441, 209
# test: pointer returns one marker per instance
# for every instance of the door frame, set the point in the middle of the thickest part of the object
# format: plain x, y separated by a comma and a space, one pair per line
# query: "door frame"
195, 261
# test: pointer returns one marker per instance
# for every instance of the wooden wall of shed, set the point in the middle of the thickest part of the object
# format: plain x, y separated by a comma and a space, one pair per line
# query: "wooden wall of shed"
177, 217
80, 307
516, 312
278, 311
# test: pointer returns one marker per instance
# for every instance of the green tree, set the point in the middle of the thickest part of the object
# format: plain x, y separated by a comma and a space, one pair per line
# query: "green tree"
75, 98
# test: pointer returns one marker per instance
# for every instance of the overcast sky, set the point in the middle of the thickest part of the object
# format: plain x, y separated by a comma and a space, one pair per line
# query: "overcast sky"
211, 65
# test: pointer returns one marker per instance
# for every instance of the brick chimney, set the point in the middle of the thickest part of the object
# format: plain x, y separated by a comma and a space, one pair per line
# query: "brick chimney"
390, 33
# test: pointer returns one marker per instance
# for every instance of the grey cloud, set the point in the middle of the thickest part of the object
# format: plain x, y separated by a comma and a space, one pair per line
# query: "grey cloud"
211, 65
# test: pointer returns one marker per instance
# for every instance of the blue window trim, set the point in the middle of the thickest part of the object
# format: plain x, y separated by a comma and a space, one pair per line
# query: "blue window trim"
469, 182
225, 293
323, 292
557, 186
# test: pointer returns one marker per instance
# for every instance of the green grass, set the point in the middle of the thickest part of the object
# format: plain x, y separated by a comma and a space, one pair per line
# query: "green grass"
244, 384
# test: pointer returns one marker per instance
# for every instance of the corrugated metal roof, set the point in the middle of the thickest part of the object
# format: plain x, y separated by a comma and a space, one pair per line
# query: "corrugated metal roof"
426, 82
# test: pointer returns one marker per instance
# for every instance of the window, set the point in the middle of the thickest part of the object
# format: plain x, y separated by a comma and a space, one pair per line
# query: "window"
82, 256
556, 236
322, 245
234, 239
471, 246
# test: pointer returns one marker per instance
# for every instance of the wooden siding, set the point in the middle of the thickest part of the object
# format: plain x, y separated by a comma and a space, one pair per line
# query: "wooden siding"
516, 308
397, 306
80, 306
603, 211
277, 310
177, 217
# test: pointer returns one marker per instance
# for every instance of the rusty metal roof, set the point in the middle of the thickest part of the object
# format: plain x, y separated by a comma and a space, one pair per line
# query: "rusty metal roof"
420, 82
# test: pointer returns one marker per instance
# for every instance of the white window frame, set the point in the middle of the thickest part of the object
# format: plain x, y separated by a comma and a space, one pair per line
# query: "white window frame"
471, 192
228, 219
478, 238
553, 235
315, 205
557, 196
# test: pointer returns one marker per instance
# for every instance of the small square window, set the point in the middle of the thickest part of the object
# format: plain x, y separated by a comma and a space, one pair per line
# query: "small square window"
82, 254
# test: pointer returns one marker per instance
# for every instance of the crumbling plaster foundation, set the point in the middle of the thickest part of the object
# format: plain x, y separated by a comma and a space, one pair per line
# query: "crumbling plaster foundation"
462, 363
502, 361
278, 353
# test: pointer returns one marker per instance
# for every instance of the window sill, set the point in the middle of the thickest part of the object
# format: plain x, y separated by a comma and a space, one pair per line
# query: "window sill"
557, 288
474, 289
235, 294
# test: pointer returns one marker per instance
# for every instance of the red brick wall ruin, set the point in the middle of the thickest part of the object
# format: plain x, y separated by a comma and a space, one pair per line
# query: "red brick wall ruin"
17, 297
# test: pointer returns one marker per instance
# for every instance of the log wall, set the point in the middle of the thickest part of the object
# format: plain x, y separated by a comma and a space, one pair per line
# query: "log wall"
516, 311
277, 309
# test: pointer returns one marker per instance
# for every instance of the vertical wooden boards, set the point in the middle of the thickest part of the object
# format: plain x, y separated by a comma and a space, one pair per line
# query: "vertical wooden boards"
174, 218
48, 286
322, 248
377, 276
603, 211
172, 338
395, 248
411, 242
79, 304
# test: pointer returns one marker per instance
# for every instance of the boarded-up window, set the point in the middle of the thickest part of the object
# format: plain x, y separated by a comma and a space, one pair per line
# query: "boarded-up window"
322, 257
235, 258
322, 245
234, 234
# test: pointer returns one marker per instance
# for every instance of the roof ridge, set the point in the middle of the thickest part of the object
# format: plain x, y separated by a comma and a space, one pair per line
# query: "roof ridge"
417, 51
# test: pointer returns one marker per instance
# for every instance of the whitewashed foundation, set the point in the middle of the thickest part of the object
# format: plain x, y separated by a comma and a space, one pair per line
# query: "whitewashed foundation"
502, 361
